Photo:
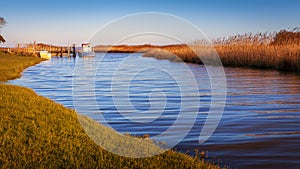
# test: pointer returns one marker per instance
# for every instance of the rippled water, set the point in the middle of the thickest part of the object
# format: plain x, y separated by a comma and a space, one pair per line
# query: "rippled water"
259, 128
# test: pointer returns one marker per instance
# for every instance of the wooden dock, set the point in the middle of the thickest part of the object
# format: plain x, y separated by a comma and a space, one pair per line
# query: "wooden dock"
33, 48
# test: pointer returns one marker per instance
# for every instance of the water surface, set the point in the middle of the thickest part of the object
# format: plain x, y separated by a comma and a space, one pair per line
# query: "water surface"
259, 128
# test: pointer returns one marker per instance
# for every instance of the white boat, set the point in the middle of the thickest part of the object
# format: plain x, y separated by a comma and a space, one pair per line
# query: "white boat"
44, 54
87, 50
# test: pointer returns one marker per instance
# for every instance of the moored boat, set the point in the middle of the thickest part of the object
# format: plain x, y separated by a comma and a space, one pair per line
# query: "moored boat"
44, 54
86, 50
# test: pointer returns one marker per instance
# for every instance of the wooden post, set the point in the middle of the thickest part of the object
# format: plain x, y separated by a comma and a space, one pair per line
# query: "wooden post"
69, 50
18, 48
74, 51
61, 52
34, 47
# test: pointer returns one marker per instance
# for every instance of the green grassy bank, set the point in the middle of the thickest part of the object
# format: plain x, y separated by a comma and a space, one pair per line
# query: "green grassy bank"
12, 65
36, 132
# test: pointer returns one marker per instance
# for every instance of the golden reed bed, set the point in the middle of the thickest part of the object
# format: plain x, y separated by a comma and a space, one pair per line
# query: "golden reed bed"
278, 57
279, 51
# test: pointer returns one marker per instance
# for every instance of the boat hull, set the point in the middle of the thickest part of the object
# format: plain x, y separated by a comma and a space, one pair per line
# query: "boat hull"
45, 55
86, 54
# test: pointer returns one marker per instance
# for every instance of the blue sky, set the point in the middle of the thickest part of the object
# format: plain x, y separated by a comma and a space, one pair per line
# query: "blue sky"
62, 22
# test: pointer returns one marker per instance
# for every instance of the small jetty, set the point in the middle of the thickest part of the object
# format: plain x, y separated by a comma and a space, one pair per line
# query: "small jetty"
43, 50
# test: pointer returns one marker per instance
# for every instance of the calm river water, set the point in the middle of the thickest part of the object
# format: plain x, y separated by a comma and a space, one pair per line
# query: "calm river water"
260, 127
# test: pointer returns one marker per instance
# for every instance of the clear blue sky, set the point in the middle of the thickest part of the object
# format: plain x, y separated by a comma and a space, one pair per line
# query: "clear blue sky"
62, 22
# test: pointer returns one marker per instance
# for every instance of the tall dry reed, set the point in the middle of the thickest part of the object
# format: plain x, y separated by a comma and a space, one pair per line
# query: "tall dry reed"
279, 51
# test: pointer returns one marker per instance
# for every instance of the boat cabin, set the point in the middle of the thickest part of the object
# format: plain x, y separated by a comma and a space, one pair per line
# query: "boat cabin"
87, 47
